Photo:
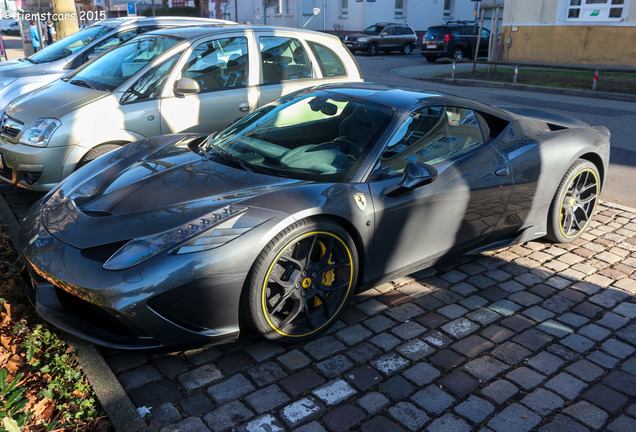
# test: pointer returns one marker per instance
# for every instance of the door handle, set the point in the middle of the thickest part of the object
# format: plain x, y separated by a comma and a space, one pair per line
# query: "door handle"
502, 172
245, 106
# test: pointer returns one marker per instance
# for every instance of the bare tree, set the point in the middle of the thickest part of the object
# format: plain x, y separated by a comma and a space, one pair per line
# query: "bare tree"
69, 23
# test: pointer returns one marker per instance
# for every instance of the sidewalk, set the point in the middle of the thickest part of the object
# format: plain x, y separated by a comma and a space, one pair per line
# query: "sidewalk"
431, 72
13, 46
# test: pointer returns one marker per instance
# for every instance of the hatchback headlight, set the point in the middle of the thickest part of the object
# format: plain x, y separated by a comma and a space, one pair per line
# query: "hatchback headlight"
40, 132
142, 248
362, 39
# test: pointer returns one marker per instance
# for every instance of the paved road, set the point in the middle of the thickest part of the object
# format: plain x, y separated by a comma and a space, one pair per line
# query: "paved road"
619, 117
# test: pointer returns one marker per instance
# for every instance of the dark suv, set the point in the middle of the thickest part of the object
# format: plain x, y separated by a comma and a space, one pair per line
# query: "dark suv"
384, 37
454, 40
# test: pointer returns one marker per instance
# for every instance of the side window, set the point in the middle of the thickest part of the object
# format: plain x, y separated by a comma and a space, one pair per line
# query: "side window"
485, 34
283, 58
399, 30
151, 83
219, 64
118, 39
408, 30
390, 31
329, 62
432, 135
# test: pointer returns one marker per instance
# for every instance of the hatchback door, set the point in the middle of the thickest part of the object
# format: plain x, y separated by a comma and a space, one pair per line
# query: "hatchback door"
458, 209
224, 86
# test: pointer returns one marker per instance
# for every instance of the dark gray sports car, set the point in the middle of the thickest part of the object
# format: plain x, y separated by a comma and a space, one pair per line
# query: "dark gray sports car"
277, 220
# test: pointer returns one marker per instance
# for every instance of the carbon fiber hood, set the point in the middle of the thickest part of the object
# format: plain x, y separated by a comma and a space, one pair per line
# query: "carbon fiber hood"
145, 188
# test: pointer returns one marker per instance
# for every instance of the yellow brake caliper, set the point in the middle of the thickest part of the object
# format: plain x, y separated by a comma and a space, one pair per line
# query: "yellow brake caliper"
327, 277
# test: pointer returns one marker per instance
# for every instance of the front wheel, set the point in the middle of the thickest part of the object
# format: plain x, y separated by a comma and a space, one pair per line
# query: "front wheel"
372, 50
301, 281
96, 152
430, 59
574, 202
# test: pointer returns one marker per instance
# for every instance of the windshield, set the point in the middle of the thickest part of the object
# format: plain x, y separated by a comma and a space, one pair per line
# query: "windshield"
70, 44
113, 68
321, 136
373, 30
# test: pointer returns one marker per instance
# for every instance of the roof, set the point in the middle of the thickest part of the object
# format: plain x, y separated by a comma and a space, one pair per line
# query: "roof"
193, 32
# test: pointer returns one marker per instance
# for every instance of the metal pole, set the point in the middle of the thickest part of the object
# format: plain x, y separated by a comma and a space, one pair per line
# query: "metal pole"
481, 26
496, 47
152, 6
264, 12
453, 72
595, 80
514, 79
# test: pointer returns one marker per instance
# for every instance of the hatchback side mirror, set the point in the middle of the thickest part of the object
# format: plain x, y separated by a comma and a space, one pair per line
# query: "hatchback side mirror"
186, 86
415, 175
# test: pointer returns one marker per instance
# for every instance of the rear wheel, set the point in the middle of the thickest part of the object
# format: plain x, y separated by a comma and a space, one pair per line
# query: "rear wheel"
372, 49
96, 152
407, 49
301, 281
430, 59
458, 54
574, 202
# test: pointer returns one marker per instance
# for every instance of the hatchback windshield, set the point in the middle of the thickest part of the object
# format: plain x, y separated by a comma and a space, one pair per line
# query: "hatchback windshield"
69, 44
113, 68
320, 136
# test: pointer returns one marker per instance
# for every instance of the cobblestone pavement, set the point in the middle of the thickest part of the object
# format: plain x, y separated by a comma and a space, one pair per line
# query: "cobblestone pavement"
531, 337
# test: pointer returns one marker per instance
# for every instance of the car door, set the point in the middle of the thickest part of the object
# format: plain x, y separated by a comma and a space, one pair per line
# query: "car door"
459, 209
141, 102
220, 68
285, 66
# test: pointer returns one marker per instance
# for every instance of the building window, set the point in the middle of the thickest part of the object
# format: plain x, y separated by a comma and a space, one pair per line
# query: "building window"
448, 9
344, 8
277, 6
597, 10
399, 9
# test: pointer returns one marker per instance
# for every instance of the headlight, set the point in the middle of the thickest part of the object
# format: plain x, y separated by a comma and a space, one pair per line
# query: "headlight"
6, 82
362, 39
39, 134
140, 249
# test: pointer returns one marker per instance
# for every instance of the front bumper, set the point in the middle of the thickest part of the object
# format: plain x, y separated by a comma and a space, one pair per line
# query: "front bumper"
35, 168
356, 46
180, 301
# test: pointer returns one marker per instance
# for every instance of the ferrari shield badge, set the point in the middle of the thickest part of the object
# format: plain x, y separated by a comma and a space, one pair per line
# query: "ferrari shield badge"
360, 200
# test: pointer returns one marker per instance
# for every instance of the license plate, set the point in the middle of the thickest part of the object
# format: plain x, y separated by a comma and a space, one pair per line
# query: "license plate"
431, 46
1, 162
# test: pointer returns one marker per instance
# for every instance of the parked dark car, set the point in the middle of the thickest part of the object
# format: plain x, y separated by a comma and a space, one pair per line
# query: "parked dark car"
285, 214
456, 41
383, 36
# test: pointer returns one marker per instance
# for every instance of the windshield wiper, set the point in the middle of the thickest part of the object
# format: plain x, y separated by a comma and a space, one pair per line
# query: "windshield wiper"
82, 83
206, 145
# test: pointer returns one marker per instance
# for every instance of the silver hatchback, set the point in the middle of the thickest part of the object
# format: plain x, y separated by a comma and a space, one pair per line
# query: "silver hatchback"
20, 76
193, 79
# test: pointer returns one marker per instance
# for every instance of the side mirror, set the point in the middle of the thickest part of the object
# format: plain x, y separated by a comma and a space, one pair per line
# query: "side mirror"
415, 175
186, 86
384, 34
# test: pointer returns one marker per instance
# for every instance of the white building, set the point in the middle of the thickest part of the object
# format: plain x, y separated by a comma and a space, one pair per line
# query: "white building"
354, 15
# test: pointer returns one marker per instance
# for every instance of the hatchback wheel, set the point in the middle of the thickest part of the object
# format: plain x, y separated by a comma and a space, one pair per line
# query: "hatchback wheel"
407, 49
458, 54
96, 152
372, 50
301, 281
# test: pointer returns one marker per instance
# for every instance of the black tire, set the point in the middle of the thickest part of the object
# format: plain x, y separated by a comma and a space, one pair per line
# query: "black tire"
96, 152
372, 49
573, 204
301, 281
458, 54
407, 49
430, 59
